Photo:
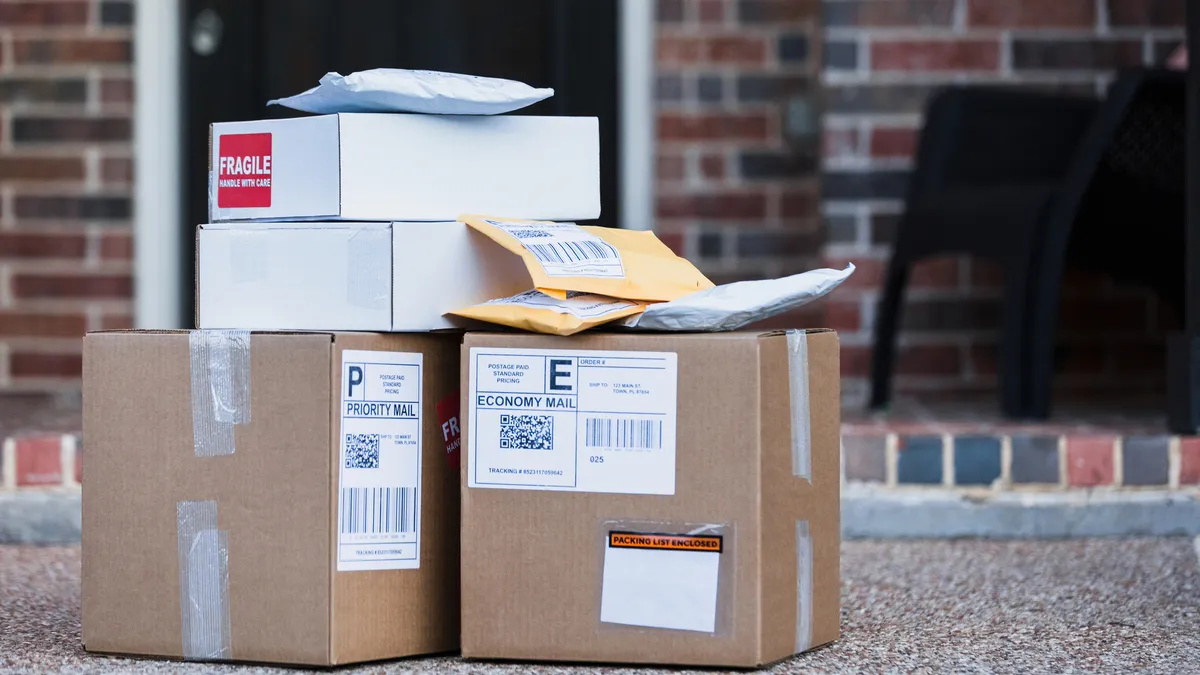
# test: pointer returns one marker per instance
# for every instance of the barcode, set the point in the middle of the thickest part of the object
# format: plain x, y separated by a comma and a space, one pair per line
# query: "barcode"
522, 233
566, 252
622, 434
379, 510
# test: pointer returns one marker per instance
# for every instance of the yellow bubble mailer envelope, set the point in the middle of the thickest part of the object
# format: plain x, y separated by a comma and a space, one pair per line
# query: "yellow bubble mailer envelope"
625, 264
541, 313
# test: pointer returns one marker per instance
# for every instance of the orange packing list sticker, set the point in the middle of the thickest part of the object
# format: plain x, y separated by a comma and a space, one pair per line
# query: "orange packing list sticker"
712, 543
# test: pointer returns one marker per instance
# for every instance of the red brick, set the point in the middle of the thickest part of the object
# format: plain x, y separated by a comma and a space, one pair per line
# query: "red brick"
985, 359
1159, 13
20, 168
116, 322
705, 127
39, 364
669, 167
737, 49
116, 247
808, 316
912, 360
673, 50
799, 204
116, 91
986, 274
712, 166
843, 315
116, 170
38, 460
711, 11
935, 55
72, 50
72, 286
840, 143
1089, 460
673, 240
868, 273
1189, 460
937, 273
1032, 13
26, 245
736, 205
894, 142
31, 324
14, 14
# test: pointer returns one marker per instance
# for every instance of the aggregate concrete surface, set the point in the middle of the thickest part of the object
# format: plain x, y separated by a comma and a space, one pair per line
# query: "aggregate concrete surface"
965, 606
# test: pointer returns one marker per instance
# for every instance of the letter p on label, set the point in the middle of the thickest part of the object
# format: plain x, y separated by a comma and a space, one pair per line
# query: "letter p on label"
252, 152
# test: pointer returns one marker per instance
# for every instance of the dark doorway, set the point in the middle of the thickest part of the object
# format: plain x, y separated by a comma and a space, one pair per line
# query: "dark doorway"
241, 53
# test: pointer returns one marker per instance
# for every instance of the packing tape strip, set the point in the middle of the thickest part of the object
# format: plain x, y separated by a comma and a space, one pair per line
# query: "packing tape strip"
369, 269
220, 362
797, 342
804, 586
203, 581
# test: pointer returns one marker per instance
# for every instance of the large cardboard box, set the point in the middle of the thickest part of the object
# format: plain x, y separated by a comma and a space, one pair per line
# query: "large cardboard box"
271, 497
348, 276
364, 166
662, 498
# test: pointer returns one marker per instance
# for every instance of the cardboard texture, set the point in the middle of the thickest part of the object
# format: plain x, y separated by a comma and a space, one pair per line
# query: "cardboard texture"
368, 166
348, 276
532, 560
276, 496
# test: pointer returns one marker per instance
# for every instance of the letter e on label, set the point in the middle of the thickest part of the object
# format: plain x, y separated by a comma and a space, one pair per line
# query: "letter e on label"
247, 156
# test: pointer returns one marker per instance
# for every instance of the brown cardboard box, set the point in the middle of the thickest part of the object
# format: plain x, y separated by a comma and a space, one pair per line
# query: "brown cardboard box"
207, 535
585, 538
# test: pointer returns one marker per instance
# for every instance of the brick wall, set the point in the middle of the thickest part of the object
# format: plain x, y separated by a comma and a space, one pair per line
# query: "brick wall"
738, 135
66, 96
881, 58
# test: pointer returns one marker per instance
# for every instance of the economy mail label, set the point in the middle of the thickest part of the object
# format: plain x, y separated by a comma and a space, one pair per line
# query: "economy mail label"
379, 466
583, 421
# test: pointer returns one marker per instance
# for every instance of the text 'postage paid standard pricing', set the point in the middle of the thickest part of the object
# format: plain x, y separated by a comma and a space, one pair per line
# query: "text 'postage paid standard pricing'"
583, 421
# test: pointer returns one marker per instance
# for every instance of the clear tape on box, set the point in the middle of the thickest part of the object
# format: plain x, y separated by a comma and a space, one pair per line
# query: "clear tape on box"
203, 582
369, 269
797, 343
220, 374
804, 586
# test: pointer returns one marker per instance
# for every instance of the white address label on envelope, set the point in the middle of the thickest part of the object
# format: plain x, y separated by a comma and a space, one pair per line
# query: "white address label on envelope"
573, 420
661, 580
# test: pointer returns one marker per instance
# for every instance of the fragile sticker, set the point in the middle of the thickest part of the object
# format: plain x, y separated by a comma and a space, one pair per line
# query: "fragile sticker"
447, 410
243, 171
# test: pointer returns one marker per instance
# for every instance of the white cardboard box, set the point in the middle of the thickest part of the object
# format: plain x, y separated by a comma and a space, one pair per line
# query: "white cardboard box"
348, 276
394, 167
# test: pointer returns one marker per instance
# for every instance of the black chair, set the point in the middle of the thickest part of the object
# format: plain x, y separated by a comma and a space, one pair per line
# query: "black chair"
1036, 181
989, 164
1120, 211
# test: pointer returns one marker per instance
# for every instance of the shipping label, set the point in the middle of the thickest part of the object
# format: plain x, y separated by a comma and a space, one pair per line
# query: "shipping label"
379, 466
578, 305
582, 421
565, 249
661, 580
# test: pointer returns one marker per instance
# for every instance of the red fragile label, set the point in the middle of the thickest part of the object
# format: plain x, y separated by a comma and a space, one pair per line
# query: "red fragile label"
243, 171
447, 410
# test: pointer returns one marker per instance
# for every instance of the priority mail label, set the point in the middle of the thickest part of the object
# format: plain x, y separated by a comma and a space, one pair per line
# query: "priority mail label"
379, 463
243, 171
580, 421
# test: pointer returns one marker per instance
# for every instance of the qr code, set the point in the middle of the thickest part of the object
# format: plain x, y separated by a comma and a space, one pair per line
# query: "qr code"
362, 451
527, 432
529, 234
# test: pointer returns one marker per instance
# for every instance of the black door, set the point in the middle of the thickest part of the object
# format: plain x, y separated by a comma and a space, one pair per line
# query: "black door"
241, 53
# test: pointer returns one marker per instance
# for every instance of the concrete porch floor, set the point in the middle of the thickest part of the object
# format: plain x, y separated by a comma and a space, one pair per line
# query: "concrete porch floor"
1080, 606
